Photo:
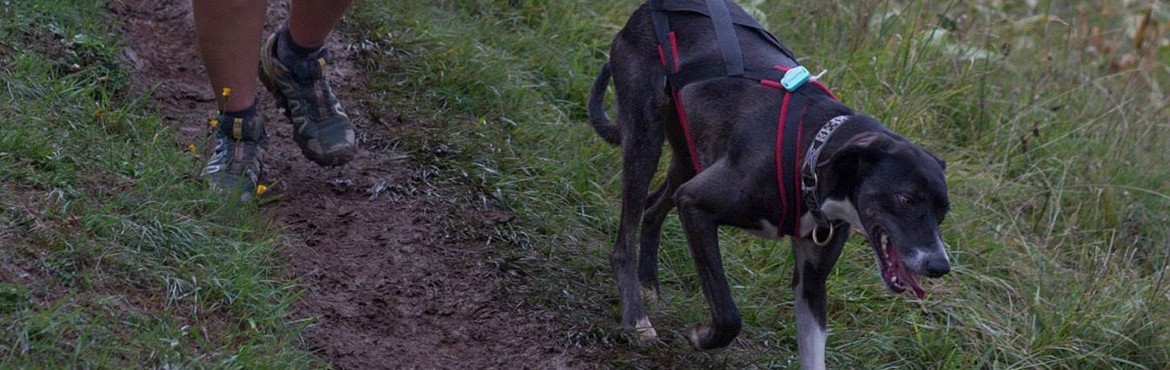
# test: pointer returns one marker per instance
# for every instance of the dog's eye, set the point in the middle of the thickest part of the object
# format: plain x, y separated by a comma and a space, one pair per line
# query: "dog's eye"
905, 201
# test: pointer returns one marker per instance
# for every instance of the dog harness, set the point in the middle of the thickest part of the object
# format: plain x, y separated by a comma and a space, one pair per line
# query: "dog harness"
797, 183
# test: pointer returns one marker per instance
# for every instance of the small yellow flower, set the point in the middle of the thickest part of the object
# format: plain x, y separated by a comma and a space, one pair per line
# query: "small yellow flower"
99, 112
260, 189
191, 148
226, 91
213, 123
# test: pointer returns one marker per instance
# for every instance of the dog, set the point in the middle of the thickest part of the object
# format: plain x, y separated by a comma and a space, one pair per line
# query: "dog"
705, 77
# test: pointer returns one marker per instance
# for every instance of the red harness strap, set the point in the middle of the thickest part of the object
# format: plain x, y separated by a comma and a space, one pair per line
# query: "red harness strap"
678, 105
780, 131
789, 132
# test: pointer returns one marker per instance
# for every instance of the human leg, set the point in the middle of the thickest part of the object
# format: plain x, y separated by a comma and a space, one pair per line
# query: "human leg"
293, 67
311, 21
228, 33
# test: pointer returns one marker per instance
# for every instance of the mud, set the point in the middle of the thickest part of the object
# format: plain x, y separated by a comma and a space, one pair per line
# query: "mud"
386, 284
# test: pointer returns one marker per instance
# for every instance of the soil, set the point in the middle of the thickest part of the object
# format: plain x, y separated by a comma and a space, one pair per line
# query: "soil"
366, 242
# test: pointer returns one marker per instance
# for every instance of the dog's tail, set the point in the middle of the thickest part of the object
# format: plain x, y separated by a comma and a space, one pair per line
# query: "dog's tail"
597, 116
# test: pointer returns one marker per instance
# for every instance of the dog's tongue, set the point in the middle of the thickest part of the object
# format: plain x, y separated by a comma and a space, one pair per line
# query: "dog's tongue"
913, 282
905, 275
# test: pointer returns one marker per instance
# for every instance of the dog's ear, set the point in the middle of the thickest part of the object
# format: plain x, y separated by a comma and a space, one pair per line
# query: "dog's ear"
941, 162
864, 146
857, 155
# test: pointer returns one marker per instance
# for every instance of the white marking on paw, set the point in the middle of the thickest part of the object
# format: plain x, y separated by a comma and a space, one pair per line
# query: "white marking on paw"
693, 336
645, 330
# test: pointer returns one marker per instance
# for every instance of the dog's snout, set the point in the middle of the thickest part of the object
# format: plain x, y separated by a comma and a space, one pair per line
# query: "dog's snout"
936, 267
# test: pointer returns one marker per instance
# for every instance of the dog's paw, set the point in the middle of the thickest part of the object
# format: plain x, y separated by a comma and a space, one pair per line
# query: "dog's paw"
695, 337
646, 332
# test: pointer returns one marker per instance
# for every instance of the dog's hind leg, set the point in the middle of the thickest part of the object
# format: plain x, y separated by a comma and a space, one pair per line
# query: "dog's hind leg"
642, 140
813, 264
660, 205
661, 202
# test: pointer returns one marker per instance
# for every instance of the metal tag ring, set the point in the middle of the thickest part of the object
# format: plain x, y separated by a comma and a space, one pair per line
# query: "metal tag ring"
822, 242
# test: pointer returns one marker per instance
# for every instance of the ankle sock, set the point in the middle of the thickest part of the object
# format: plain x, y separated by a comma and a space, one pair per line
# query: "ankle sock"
246, 113
252, 128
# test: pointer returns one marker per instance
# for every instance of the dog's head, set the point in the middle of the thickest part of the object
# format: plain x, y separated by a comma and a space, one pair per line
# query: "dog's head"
900, 196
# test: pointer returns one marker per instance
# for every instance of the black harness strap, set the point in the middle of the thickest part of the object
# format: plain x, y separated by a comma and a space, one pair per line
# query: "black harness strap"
662, 31
723, 20
700, 71
740, 18
725, 35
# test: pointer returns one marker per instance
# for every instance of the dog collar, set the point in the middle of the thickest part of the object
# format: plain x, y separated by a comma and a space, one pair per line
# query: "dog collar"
808, 180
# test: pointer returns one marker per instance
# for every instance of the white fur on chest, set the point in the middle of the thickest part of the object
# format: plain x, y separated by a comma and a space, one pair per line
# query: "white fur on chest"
834, 209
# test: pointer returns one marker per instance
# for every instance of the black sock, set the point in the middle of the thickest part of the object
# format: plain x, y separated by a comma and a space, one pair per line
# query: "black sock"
246, 113
252, 129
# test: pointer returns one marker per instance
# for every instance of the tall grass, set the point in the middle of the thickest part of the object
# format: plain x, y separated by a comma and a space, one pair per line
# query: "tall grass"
1056, 170
112, 255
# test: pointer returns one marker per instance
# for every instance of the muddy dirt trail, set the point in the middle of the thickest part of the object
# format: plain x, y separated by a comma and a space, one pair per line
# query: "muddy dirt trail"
364, 241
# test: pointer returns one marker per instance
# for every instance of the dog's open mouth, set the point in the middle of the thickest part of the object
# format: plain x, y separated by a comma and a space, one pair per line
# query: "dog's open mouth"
896, 275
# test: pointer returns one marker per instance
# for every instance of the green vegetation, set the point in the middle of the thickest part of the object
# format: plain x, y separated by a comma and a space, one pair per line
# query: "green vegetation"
1052, 117
112, 256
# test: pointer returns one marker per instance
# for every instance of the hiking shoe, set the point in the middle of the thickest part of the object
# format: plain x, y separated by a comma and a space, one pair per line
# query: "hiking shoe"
320, 127
235, 163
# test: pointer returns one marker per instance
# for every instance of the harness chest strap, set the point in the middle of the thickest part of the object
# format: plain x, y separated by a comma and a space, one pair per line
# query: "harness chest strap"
790, 181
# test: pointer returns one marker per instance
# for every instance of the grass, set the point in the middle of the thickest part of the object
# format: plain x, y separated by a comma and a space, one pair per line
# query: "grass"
1051, 119
113, 256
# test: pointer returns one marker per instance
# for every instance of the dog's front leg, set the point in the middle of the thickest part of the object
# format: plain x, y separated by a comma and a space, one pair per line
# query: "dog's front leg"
813, 264
696, 201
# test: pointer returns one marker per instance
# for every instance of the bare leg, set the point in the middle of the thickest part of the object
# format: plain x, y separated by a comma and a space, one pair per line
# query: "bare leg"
310, 21
229, 41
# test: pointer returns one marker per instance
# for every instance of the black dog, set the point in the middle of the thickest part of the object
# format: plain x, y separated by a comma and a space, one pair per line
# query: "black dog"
753, 151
